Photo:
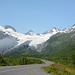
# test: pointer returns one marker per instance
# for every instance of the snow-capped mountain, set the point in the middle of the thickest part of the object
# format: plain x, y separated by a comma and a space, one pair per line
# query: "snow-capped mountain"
66, 30
30, 32
71, 29
28, 40
52, 31
10, 27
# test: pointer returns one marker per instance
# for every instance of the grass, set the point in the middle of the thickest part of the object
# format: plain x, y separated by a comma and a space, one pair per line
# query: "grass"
13, 61
58, 69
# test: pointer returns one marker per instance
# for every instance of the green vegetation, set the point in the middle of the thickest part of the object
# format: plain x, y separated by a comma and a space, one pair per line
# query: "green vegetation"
25, 61
3, 62
56, 69
21, 57
23, 53
61, 49
13, 61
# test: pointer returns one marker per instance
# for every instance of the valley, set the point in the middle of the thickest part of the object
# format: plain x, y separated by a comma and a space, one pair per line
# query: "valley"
37, 37
53, 45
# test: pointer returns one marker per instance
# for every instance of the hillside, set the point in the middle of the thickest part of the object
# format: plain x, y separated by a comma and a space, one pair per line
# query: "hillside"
61, 48
23, 53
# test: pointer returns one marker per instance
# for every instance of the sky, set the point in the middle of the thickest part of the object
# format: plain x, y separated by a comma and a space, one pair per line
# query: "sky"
37, 15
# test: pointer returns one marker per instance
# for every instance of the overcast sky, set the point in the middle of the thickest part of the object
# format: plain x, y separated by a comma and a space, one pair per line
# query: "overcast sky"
37, 15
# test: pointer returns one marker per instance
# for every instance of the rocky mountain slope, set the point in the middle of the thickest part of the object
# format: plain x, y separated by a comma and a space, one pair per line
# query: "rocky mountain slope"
29, 40
60, 48
61, 44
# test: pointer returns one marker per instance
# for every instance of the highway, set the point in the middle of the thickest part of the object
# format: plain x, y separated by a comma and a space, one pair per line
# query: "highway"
25, 69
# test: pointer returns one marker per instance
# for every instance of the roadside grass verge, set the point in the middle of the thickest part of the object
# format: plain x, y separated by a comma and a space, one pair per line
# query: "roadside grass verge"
58, 69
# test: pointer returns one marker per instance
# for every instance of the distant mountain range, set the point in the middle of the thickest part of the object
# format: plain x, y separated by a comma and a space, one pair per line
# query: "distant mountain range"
12, 40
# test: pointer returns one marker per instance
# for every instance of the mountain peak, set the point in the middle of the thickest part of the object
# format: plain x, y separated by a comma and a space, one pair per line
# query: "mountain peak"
53, 30
30, 32
70, 29
73, 26
8, 26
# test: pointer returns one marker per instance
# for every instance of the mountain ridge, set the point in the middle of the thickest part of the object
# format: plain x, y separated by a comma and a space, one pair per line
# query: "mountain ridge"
36, 41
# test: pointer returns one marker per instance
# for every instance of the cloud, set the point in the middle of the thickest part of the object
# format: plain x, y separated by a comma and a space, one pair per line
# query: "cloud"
7, 43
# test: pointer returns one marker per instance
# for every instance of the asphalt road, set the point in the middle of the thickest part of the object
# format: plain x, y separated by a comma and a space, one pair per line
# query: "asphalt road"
25, 69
